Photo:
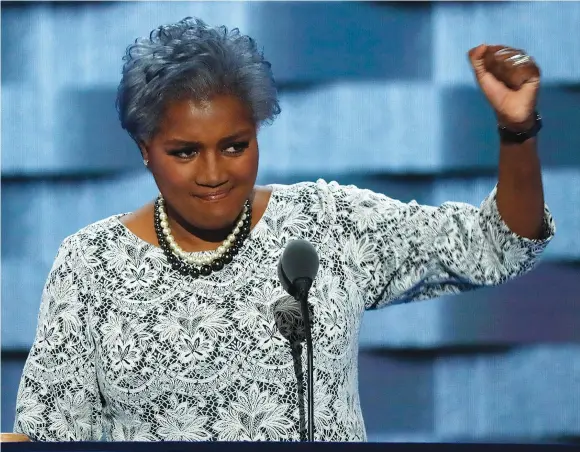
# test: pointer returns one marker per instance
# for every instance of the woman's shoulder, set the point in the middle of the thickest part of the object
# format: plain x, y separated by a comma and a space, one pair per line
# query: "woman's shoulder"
107, 228
326, 193
318, 201
79, 250
320, 188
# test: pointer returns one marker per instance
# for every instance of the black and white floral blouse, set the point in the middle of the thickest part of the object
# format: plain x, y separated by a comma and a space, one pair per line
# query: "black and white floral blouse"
128, 349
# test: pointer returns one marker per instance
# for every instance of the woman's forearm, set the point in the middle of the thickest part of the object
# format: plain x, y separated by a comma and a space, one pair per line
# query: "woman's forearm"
520, 194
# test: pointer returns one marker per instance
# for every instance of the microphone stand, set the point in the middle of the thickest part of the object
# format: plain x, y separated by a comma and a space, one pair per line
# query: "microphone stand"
302, 286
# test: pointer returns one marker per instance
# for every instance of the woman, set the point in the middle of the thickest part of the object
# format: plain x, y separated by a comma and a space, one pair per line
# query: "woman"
169, 323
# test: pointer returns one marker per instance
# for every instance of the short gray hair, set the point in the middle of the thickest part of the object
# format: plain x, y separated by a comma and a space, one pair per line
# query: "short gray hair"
189, 60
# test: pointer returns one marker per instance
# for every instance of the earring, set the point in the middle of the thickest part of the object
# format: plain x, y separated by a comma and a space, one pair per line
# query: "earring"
145, 162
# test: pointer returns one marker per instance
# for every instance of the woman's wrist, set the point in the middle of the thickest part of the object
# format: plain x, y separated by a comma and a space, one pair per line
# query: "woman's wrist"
516, 125
512, 132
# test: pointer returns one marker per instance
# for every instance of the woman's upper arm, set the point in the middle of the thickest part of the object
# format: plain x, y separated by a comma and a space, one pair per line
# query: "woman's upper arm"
402, 252
58, 398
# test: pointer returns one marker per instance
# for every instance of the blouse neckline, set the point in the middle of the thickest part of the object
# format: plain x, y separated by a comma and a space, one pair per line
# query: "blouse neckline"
269, 207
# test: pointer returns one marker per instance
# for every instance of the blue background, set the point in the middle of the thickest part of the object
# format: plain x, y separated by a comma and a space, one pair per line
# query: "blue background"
373, 93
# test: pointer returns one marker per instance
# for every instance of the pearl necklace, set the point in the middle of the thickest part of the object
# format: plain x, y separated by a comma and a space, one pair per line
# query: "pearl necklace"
193, 263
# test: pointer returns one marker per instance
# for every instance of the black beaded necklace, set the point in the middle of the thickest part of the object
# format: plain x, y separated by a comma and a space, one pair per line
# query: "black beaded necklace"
184, 267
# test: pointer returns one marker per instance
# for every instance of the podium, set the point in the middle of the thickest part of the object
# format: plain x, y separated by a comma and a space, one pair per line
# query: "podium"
278, 447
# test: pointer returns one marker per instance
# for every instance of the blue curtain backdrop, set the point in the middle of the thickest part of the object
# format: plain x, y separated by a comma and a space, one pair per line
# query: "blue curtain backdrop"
373, 93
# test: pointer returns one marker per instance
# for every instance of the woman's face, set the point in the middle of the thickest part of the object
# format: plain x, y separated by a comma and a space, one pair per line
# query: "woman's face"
204, 159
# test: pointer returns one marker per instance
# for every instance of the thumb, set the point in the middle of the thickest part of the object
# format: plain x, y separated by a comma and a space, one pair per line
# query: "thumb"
476, 59
489, 84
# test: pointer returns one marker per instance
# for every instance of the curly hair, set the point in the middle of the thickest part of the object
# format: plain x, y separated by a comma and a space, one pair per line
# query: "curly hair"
189, 60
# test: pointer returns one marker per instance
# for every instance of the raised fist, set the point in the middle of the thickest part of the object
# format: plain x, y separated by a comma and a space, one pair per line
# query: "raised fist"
510, 80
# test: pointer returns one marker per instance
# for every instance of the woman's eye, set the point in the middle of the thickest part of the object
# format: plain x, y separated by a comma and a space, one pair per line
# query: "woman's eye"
186, 153
237, 148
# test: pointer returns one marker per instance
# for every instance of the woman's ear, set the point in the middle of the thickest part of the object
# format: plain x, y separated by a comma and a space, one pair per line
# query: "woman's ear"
144, 152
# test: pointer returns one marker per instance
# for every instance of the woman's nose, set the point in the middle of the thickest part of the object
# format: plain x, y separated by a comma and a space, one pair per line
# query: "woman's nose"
211, 173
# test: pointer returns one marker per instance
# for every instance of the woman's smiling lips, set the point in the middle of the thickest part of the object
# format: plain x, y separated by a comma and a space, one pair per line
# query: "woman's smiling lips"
213, 196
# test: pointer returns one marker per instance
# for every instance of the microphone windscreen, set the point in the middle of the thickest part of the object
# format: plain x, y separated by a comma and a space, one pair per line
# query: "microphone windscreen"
299, 260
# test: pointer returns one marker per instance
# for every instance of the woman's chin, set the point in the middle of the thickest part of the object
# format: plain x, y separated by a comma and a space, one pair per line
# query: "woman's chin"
217, 216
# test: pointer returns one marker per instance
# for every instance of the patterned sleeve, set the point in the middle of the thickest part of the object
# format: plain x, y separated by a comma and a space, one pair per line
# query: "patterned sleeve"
399, 252
58, 398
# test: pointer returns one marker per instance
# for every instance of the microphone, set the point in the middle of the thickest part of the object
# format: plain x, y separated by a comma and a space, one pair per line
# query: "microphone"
297, 269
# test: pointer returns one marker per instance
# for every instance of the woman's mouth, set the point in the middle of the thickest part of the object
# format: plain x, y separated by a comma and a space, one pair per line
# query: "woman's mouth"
212, 196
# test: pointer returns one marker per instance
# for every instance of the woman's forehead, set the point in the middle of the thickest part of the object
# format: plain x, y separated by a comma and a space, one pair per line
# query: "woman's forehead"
213, 118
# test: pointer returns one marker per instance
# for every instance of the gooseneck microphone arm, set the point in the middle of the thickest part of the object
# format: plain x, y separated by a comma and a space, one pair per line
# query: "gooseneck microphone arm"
297, 269
302, 286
